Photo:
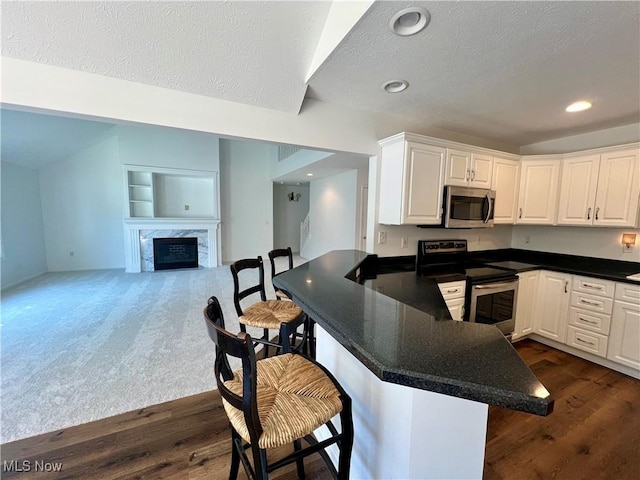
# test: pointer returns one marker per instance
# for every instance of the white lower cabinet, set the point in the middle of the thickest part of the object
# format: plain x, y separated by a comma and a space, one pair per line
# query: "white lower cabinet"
526, 303
552, 305
453, 294
624, 335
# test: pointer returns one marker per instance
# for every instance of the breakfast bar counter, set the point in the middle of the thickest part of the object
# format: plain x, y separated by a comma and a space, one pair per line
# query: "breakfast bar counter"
421, 383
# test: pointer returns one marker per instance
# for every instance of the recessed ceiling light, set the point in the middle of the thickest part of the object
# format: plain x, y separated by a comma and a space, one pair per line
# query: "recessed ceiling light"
395, 86
309, 174
410, 21
578, 106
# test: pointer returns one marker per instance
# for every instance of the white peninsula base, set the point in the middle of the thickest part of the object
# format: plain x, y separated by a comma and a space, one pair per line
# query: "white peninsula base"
402, 432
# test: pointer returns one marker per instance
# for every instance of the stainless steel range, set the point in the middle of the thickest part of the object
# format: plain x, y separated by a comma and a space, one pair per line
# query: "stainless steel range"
491, 293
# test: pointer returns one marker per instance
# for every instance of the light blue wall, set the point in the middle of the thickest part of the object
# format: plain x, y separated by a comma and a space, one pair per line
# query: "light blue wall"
168, 148
79, 220
246, 197
23, 247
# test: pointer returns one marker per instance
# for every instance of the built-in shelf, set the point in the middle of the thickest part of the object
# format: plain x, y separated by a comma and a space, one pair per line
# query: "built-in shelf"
165, 193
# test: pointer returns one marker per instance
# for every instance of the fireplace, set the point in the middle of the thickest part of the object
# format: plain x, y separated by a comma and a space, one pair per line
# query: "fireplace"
178, 252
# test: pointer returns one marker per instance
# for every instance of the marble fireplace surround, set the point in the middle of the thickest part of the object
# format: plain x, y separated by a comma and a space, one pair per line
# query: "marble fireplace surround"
139, 233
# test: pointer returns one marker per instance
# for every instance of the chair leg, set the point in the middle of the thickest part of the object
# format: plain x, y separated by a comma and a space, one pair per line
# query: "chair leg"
297, 445
235, 455
284, 338
265, 336
346, 444
311, 335
260, 463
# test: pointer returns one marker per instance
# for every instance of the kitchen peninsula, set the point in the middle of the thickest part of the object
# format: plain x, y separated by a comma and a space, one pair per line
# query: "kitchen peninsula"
420, 382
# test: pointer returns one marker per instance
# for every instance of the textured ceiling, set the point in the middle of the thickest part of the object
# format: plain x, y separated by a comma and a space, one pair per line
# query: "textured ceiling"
503, 71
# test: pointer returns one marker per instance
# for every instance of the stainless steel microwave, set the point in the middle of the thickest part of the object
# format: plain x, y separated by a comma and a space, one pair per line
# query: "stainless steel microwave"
468, 207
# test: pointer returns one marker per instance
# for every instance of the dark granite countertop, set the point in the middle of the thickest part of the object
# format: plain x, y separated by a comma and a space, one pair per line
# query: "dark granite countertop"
523, 260
417, 347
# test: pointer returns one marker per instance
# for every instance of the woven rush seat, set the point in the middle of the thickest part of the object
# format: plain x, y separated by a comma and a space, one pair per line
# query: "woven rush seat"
294, 398
270, 314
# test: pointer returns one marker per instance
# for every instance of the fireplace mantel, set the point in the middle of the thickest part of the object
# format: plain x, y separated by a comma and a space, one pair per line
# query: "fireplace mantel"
133, 226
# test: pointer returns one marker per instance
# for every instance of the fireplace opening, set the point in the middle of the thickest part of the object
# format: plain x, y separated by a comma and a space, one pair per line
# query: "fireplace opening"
171, 253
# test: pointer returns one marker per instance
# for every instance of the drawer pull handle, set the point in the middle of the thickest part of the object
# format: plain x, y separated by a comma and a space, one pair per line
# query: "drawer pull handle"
585, 342
453, 290
594, 287
593, 304
587, 321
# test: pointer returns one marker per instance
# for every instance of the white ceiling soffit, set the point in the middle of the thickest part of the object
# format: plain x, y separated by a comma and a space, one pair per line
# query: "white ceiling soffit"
256, 53
33, 140
498, 70
325, 166
502, 71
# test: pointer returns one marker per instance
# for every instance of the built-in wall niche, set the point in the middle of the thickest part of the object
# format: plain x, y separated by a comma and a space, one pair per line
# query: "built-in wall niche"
170, 193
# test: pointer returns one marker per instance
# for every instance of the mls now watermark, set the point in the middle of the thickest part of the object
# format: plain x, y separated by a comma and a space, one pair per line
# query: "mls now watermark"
30, 466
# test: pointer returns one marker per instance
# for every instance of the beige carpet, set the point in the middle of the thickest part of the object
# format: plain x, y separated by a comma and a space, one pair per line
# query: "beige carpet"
80, 346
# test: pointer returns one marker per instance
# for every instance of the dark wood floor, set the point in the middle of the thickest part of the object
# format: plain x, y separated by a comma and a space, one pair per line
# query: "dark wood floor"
593, 433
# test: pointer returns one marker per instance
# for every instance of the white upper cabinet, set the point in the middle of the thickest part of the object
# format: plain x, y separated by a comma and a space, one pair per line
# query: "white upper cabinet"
468, 169
578, 191
618, 189
505, 178
538, 193
600, 189
411, 182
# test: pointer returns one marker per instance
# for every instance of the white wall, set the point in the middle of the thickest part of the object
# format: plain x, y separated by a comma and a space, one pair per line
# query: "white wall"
82, 209
332, 214
584, 241
288, 215
23, 248
246, 196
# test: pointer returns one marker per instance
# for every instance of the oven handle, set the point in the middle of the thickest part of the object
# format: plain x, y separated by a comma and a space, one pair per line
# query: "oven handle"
495, 285
489, 203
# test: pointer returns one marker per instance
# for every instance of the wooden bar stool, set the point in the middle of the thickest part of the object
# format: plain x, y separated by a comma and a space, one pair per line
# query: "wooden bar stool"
281, 295
285, 317
277, 401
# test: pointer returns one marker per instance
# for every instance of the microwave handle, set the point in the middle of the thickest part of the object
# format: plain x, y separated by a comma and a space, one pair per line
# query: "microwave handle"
490, 204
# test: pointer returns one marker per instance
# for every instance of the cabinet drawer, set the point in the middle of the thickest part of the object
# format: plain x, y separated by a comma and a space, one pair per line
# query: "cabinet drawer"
628, 292
452, 289
592, 303
592, 321
593, 286
456, 308
587, 341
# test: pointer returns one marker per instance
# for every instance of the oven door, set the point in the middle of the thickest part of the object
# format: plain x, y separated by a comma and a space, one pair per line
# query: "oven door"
495, 304
468, 207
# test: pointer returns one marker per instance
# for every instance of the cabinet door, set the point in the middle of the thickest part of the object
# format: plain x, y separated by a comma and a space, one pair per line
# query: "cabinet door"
624, 335
505, 183
579, 181
537, 199
526, 303
552, 305
424, 174
456, 308
481, 170
458, 168
618, 189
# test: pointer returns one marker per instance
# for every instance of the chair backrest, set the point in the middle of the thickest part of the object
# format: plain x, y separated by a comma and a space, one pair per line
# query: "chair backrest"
236, 268
239, 346
277, 253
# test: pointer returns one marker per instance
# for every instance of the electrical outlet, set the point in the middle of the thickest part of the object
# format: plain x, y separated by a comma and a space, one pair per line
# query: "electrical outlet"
382, 238
186, 207
527, 239
404, 242
626, 249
